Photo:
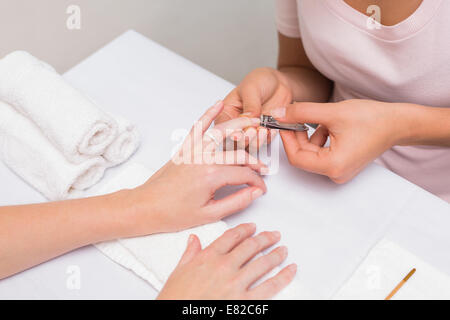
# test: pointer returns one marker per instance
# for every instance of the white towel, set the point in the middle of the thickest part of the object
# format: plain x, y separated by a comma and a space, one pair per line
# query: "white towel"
385, 266
154, 257
30, 155
71, 121
126, 143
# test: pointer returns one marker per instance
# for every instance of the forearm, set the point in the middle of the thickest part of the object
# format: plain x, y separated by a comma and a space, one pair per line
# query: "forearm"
307, 84
31, 234
421, 125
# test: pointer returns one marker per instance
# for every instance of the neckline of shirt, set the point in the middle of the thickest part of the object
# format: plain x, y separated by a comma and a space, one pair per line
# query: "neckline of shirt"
404, 29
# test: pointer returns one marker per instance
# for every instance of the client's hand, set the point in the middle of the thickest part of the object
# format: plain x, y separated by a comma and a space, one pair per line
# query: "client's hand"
225, 269
262, 90
181, 194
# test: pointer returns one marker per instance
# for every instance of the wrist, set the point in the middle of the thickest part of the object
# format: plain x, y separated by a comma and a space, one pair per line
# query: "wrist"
115, 212
402, 126
137, 212
419, 125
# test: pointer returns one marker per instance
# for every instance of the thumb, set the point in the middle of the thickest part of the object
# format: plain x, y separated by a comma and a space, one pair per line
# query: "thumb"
251, 101
304, 112
193, 248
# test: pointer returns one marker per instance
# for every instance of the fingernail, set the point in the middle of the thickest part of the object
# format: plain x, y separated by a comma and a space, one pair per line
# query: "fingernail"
264, 171
293, 267
257, 193
245, 114
284, 250
191, 238
255, 121
279, 112
277, 234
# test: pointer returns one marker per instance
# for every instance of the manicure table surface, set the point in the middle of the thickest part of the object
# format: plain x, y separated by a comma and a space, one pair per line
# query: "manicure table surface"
328, 228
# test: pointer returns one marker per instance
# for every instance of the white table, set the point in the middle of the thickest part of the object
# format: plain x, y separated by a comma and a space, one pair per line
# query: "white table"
328, 228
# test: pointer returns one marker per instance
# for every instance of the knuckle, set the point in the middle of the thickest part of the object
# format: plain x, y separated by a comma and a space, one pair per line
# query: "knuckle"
249, 227
253, 244
211, 170
262, 70
339, 180
233, 234
269, 261
337, 168
210, 174
243, 203
223, 265
293, 160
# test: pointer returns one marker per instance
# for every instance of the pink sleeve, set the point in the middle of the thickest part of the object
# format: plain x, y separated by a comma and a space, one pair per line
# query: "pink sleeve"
287, 18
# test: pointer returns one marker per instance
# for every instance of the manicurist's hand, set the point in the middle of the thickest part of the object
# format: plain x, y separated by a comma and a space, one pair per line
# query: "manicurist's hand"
261, 90
181, 194
359, 131
225, 269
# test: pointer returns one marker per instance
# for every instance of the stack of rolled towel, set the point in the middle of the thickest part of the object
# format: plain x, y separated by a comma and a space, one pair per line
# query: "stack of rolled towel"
51, 135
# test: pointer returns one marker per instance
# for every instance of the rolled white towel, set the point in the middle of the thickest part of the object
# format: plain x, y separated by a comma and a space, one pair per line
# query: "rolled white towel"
30, 155
71, 121
125, 145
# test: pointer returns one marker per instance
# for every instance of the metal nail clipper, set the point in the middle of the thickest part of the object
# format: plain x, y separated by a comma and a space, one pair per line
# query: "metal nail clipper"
270, 123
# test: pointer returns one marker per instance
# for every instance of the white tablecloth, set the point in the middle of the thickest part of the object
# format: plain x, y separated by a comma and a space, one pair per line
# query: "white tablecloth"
328, 228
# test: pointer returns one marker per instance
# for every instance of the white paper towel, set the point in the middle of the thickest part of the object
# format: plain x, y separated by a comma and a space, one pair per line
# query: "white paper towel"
385, 266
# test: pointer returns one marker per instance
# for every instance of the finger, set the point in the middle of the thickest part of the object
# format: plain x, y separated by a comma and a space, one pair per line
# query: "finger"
251, 100
236, 136
281, 98
206, 120
256, 269
253, 140
316, 162
272, 286
272, 135
305, 143
232, 107
241, 158
263, 134
252, 246
193, 248
226, 129
237, 175
238, 201
232, 238
247, 137
253, 143
320, 136
305, 112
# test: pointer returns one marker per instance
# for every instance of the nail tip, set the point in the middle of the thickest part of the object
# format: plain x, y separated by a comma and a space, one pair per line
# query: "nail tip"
257, 193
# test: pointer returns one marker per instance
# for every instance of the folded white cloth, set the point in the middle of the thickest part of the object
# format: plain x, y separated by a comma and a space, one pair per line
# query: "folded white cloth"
385, 266
71, 121
30, 155
154, 257
126, 143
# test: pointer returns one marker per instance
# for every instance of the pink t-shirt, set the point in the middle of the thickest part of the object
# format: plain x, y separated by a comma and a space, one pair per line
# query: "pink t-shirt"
408, 62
